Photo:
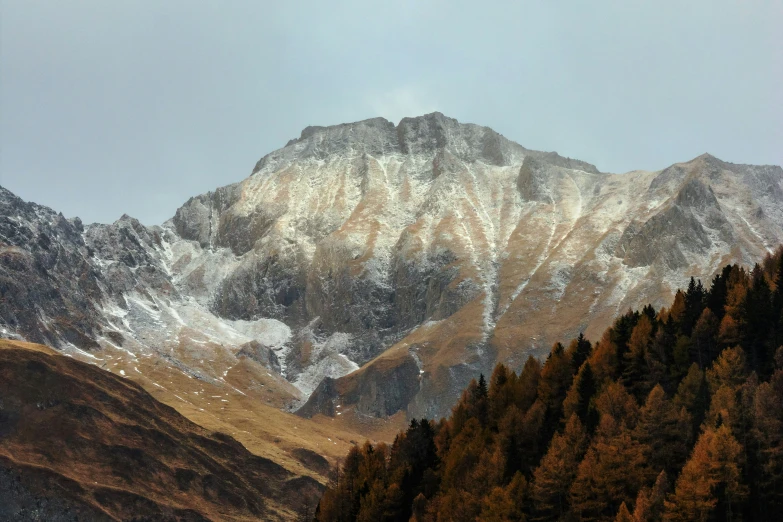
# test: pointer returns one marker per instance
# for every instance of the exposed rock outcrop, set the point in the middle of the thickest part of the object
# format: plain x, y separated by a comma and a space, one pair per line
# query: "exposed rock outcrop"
49, 285
263, 355
382, 389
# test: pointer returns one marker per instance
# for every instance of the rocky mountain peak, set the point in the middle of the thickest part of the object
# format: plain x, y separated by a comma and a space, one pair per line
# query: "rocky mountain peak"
420, 136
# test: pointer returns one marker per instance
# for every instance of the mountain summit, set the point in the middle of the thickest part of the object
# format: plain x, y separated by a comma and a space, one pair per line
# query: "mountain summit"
421, 135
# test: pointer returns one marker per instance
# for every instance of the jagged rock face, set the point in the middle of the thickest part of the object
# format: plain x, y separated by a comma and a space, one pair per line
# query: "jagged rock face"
443, 243
384, 389
129, 255
195, 219
659, 240
48, 286
114, 294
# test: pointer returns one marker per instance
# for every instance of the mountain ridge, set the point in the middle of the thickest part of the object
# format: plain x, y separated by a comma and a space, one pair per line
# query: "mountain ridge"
433, 131
435, 247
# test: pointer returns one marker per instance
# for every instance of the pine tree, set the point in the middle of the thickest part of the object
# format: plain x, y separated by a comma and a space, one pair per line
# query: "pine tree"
553, 478
480, 401
458, 505
556, 377
777, 304
723, 407
419, 509
661, 354
412, 454
394, 507
729, 332
603, 359
623, 515
620, 334
535, 436
373, 504
481, 391
636, 374
579, 398
677, 310
351, 480
692, 394
504, 504
586, 389
732, 325
681, 356
777, 296
694, 304
473, 404
615, 401
704, 339
665, 431
650, 312
716, 297
710, 483
517, 442
758, 321
768, 432
464, 455
501, 393
649, 503
611, 473
330, 506
581, 352
527, 384
729, 369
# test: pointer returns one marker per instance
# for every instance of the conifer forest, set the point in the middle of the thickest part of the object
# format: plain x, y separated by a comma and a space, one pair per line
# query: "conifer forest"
673, 414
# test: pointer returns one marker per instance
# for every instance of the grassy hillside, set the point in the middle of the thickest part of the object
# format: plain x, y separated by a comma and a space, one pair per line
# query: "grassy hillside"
77, 442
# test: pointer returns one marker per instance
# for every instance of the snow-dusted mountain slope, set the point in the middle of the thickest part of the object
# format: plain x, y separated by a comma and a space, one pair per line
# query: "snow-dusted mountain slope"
422, 253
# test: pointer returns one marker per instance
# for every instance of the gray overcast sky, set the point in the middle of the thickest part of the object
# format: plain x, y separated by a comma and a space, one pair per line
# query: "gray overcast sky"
133, 106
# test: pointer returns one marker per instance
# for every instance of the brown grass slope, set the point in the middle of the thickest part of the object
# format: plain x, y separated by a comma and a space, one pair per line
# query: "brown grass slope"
77, 443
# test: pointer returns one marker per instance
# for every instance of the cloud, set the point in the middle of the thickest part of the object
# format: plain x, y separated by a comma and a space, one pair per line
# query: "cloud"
400, 102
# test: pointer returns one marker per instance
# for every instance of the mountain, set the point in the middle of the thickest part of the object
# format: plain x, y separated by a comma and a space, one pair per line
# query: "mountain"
79, 443
369, 269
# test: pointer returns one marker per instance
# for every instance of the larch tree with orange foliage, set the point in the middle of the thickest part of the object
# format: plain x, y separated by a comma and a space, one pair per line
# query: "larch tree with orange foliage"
553, 478
614, 467
711, 481
664, 431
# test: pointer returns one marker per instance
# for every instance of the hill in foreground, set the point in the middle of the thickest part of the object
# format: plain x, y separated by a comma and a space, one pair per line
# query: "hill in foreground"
80, 443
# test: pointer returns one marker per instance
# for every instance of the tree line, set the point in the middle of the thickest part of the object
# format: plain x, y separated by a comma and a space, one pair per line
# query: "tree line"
674, 414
